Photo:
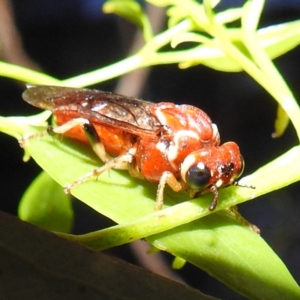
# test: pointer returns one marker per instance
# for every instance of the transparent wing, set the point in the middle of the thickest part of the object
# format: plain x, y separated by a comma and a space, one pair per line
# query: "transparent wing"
126, 113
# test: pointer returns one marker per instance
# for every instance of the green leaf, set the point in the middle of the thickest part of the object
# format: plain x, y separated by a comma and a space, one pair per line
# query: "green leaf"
67, 160
276, 40
162, 3
133, 12
220, 244
231, 253
175, 15
17, 126
281, 122
280, 39
46, 205
228, 16
211, 57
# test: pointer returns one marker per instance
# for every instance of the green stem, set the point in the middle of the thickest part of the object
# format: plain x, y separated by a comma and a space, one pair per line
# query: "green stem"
26, 75
114, 70
264, 73
151, 224
188, 211
142, 59
283, 95
274, 82
258, 66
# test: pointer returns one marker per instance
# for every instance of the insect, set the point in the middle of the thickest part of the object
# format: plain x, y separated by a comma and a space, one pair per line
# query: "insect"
164, 143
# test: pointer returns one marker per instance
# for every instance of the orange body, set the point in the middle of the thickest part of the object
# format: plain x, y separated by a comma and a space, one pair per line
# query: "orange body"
162, 143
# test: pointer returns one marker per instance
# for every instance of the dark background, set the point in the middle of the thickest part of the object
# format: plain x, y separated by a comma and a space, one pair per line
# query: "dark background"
67, 38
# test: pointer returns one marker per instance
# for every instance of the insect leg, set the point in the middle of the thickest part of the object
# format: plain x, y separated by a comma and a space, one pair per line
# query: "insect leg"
119, 162
61, 129
23, 141
89, 131
214, 203
166, 178
95, 141
52, 130
87, 127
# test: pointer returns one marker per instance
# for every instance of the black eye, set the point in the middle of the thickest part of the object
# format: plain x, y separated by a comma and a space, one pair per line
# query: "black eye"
198, 176
50, 131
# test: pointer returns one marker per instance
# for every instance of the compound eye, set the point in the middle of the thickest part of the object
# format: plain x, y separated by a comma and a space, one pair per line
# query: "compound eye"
50, 131
198, 176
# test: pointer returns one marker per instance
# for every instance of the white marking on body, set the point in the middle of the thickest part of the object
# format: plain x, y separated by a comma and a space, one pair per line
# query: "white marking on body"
161, 117
220, 169
186, 164
174, 147
132, 151
161, 146
219, 183
216, 134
